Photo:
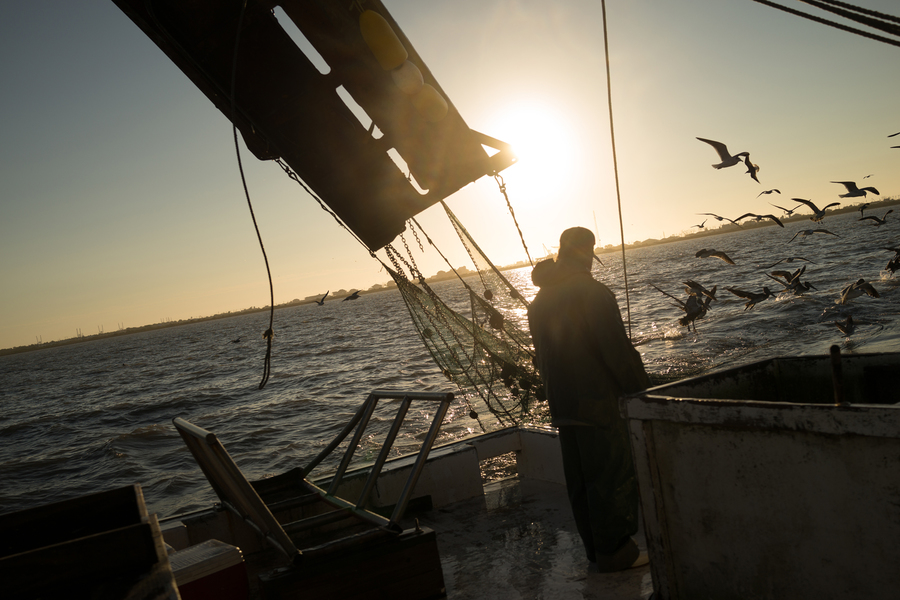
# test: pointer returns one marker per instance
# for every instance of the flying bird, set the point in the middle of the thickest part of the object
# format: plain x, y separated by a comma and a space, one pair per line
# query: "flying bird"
878, 222
789, 259
322, 301
695, 289
862, 209
853, 191
353, 296
768, 192
856, 289
817, 215
751, 168
693, 309
806, 232
787, 275
753, 298
787, 212
758, 218
797, 288
701, 225
893, 265
727, 159
718, 218
792, 281
893, 134
709, 252
846, 326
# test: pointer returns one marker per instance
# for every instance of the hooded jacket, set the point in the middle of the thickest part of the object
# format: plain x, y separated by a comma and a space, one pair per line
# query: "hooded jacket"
584, 356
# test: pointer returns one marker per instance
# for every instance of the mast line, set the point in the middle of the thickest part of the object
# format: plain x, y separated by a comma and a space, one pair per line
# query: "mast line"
612, 138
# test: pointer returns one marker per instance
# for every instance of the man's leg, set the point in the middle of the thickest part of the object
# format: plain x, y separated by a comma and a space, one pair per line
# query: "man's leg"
612, 494
576, 486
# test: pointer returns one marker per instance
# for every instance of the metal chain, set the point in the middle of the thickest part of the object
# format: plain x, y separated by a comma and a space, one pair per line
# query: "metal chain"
416, 235
499, 179
414, 269
389, 250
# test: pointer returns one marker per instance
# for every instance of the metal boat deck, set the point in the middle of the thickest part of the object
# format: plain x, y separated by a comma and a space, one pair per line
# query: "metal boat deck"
519, 541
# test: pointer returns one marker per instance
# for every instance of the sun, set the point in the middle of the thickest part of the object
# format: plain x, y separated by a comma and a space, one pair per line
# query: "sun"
543, 141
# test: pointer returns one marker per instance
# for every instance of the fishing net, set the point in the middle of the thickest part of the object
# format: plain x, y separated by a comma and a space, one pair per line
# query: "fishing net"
487, 356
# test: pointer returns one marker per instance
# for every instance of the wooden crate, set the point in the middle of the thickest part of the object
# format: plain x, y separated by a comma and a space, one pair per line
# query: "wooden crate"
97, 546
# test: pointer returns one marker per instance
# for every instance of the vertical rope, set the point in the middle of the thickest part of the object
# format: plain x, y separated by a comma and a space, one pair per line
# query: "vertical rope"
612, 137
269, 333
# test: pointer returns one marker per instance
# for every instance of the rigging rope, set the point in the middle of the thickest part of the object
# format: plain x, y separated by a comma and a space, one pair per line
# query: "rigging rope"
269, 333
839, 25
847, 11
612, 137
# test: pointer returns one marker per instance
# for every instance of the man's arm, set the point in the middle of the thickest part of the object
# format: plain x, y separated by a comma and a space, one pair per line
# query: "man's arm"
612, 343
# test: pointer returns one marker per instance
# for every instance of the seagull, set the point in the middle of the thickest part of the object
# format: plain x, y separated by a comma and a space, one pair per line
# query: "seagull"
893, 265
818, 214
787, 212
708, 252
787, 275
752, 297
727, 159
893, 134
695, 289
806, 232
751, 168
789, 259
869, 175
878, 222
718, 218
853, 191
846, 326
796, 287
701, 225
792, 280
322, 301
862, 209
857, 288
768, 192
760, 218
353, 296
694, 308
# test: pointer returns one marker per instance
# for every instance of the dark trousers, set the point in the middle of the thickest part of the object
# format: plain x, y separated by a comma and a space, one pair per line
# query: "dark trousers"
601, 484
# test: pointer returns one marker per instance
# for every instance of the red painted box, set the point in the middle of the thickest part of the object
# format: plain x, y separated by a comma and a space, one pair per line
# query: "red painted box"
212, 570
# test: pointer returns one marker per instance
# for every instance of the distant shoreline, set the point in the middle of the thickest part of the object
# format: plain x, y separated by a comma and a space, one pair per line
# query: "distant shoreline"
441, 276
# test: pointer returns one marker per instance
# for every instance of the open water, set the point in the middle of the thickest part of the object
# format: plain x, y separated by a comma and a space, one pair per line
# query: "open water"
96, 415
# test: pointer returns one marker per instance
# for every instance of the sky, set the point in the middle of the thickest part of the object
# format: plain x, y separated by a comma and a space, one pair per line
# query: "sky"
121, 203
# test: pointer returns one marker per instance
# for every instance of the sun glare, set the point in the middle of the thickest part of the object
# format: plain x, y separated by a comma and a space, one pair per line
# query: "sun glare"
542, 140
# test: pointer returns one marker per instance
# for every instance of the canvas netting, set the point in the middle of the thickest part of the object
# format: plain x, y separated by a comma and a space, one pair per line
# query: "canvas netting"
487, 355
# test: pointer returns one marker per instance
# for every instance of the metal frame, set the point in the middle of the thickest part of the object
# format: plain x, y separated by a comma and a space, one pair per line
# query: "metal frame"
239, 496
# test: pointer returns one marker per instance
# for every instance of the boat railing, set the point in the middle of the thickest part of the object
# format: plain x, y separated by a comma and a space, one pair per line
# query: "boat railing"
292, 494
360, 421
